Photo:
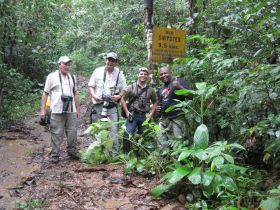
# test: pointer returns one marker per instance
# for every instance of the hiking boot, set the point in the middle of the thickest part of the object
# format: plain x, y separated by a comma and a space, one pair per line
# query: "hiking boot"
55, 159
74, 156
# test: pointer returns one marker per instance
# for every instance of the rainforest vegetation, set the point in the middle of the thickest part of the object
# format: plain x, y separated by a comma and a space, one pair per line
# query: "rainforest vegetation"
231, 159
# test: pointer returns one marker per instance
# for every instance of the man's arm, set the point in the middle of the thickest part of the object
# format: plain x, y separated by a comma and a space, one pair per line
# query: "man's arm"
43, 104
93, 95
179, 83
155, 102
123, 103
77, 105
154, 109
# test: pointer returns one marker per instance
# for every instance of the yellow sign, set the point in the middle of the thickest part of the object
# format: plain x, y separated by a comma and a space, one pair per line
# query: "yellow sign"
168, 44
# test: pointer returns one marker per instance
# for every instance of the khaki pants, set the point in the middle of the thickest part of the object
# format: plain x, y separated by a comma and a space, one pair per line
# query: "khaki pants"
170, 129
61, 123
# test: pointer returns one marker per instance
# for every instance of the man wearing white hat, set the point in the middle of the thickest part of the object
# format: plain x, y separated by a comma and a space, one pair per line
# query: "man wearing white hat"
61, 86
107, 85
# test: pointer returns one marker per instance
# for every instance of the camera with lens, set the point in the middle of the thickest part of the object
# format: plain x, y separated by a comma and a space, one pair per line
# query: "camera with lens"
107, 104
66, 100
46, 120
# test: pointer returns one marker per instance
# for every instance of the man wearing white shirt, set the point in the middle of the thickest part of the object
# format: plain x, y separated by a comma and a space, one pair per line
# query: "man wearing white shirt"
61, 86
107, 85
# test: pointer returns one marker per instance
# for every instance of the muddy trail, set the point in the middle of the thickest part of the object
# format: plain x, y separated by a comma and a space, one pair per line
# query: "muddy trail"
26, 173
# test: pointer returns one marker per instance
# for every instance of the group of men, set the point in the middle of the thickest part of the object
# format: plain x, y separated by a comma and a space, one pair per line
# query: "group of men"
107, 86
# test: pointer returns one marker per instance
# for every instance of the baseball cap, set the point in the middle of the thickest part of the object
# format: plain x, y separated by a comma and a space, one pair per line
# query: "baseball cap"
64, 59
144, 69
112, 55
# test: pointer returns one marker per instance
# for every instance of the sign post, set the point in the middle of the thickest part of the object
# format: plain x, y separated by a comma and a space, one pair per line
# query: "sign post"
168, 44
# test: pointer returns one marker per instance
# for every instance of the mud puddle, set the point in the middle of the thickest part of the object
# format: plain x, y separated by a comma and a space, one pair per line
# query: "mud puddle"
17, 148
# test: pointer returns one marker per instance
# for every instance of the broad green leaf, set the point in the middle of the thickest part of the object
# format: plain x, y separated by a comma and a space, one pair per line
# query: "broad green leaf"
201, 137
140, 168
170, 108
231, 208
185, 154
214, 187
270, 204
131, 164
237, 146
208, 176
88, 130
201, 155
201, 86
108, 144
158, 190
230, 169
218, 161
177, 175
195, 176
229, 184
214, 151
185, 92
210, 92
228, 158
166, 176
217, 181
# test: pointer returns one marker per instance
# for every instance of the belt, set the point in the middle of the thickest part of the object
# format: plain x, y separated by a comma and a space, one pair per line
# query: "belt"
139, 112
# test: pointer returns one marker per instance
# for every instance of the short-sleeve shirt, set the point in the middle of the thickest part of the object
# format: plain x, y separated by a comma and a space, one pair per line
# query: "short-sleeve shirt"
53, 88
109, 87
143, 102
168, 97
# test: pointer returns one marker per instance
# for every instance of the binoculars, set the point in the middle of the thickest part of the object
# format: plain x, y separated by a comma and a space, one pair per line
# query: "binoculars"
67, 100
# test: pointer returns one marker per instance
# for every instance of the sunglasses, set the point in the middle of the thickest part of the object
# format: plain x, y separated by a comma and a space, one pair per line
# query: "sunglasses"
111, 59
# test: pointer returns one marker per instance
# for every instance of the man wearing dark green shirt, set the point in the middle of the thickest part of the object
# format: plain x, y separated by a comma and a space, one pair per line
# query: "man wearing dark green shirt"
143, 96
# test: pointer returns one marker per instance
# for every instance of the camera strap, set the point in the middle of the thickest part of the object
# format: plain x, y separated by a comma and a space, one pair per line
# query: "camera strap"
60, 79
74, 83
138, 94
104, 79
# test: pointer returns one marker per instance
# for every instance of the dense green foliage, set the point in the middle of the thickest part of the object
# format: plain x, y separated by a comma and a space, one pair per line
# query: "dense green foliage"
232, 46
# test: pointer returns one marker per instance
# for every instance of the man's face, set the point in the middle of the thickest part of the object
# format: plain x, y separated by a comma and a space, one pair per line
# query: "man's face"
165, 75
64, 67
111, 63
142, 76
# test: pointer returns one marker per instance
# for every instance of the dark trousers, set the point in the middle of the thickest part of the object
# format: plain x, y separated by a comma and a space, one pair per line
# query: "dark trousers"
136, 123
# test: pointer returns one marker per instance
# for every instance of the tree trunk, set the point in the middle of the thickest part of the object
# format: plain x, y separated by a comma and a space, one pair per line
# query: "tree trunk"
193, 10
149, 28
1, 98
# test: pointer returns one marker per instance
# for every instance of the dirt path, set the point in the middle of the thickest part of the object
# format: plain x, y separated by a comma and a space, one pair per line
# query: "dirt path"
27, 173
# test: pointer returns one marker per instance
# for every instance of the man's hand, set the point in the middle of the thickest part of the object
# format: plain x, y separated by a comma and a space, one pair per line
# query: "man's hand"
97, 98
78, 114
42, 114
158, 109
128, 114
116, 98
